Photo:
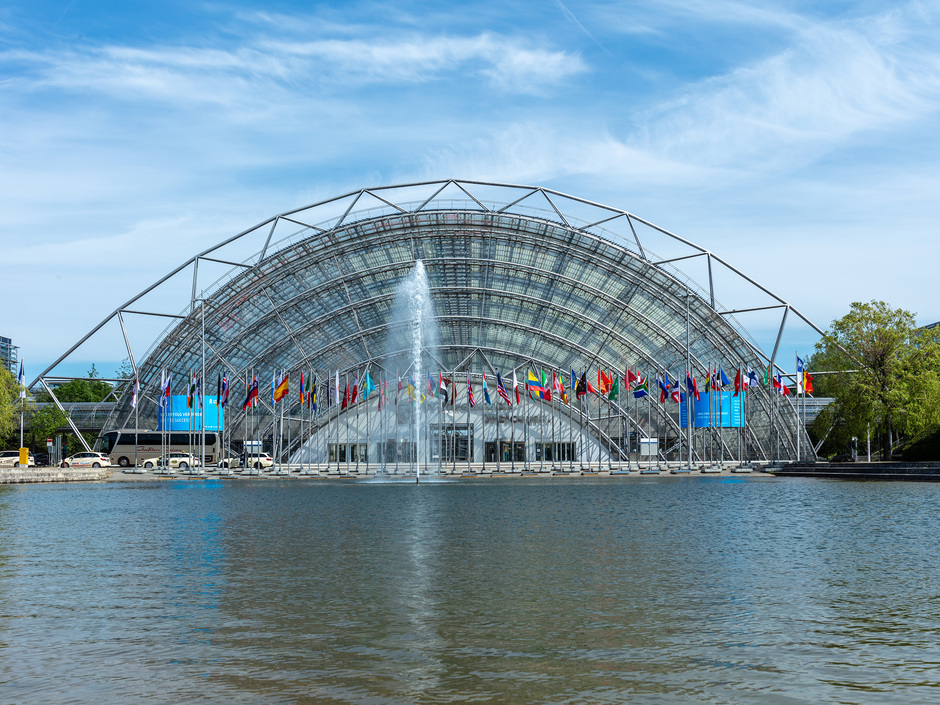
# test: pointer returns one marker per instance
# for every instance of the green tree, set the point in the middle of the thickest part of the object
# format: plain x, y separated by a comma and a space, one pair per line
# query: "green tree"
90, 389
9, 403
44, 424
890, 381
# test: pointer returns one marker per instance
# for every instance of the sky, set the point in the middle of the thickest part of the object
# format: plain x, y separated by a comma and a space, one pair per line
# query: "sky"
797, 140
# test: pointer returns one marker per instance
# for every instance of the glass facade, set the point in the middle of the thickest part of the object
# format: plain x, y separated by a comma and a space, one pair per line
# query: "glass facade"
512, 287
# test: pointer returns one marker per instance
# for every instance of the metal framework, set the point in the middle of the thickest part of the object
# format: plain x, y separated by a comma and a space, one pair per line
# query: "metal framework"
519, 275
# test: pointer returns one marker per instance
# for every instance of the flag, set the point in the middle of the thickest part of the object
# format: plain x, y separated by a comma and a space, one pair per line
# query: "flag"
641, 388
21, 380
274, 383
167, 384
134, 391
470, 398
562, 392
442, 386
675, 394
303, 390
224, 399
629, 379
355, 391
486, 393
708, 382
603, 381
547, 395
778, 384
501, 389
807, 382
799, 375
398, 393
368, 386
199, 390
252, 392
282, 388
738, 382
312, 396
515, 386
663, 387
581, 388
691, 386
191, 390
752, 380
345, 395
721, 377
614, 388
535, 385
336, 389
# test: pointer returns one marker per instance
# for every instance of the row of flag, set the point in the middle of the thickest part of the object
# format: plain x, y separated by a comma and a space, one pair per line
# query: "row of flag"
536, 386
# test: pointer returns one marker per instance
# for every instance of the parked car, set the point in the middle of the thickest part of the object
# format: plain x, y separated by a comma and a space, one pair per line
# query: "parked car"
229, 463
89, 459
42, 459
11, 459
174, 461
258, 461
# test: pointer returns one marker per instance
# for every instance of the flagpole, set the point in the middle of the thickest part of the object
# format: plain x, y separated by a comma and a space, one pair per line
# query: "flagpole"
554, 446
512, 435
469, 436
483, 406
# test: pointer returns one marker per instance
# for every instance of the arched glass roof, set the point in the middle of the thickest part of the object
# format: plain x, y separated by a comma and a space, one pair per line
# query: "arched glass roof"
518, 276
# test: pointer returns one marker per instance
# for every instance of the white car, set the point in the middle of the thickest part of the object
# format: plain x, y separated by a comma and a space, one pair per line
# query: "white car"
11, 459
259, 461
87, 460
174, 461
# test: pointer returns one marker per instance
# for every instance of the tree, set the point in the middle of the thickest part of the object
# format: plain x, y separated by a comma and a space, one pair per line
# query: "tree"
891, 374
9, 403
91, 389
44, 424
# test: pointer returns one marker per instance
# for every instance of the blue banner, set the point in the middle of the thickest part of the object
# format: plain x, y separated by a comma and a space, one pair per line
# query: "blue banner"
179, 418
715, 409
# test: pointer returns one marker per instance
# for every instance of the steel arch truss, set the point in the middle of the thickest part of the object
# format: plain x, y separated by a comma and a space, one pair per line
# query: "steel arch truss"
525, 274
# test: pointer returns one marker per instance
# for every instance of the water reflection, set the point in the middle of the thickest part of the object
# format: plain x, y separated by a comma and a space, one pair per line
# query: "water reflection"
677, 589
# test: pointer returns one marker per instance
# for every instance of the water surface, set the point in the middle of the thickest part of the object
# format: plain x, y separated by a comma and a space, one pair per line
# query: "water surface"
645, 590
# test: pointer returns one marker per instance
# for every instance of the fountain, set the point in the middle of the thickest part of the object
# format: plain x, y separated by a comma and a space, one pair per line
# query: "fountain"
413, 337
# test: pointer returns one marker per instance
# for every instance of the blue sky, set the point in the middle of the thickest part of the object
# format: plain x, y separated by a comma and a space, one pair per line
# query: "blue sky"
798, 140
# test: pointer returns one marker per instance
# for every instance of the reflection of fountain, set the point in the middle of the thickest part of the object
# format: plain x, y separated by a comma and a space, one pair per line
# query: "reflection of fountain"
414, 338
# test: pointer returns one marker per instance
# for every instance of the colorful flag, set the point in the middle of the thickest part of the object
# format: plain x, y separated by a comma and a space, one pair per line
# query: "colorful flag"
675, 393
21, 380
515, 386
603, 381
738, 382
303, 389
224, 400
778, 384
807, 382
534, 385
580, 388
663, 387
799, 375
312, 395
501, 389
562, 392
345, 395
641, 387
486, 393
398, 393
752, 380
191, 390
547, 396
614, 388
252, 392
442, 386
368, 386
282, 388
724, 381
629, 379
691, 386
470, 398
355, 391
